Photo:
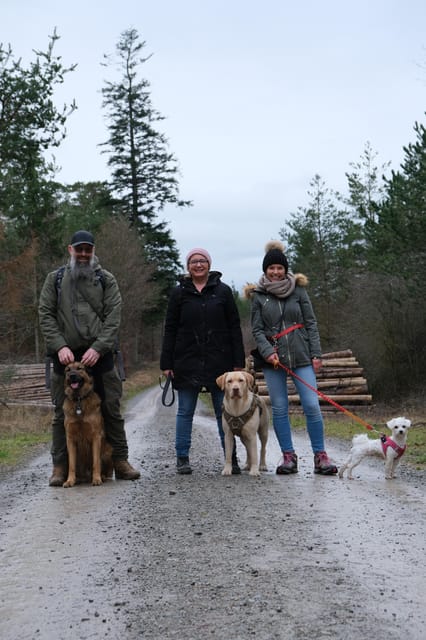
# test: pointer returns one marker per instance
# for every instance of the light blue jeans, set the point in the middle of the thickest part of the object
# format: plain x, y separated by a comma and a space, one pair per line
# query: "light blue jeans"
187, 401
276, 380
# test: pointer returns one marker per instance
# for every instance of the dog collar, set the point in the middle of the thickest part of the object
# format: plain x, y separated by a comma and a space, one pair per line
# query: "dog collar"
78, 409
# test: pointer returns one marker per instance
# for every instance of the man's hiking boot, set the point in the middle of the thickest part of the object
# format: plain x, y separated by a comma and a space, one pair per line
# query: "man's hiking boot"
182, 465
125, 471
323, 465
287, 464
58, 477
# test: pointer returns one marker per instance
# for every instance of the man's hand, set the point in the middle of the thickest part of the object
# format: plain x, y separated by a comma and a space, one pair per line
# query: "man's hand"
65, 355
90, 357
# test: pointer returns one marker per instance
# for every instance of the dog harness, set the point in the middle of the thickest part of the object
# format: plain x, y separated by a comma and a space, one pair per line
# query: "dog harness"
236, 423
388, 442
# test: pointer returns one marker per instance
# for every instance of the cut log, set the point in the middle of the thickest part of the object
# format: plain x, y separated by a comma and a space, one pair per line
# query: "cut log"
334, 372
340, 399
341, 362
346, 353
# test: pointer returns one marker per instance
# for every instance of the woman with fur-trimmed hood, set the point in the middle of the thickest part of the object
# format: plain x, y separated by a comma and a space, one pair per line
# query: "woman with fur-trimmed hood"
286, 333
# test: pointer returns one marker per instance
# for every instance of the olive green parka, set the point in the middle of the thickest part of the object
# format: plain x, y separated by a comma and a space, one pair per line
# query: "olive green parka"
82, 314
271, 315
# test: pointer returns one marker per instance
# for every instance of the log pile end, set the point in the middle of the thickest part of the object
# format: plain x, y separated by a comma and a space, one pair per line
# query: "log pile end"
341, 379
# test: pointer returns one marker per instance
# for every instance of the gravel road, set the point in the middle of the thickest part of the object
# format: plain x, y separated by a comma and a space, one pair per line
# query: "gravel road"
204, 556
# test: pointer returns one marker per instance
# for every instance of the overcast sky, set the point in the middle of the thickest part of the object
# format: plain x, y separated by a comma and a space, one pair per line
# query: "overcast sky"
258, 98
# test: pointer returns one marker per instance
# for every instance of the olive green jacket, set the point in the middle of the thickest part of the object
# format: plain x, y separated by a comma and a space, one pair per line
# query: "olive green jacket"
271, 315
82, 315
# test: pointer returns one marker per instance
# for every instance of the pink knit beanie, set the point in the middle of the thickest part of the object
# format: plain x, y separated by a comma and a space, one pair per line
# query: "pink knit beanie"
200, 252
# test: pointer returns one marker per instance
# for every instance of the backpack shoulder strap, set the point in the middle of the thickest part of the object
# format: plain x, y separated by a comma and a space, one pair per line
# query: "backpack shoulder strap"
100, 275
58, 282
60, 274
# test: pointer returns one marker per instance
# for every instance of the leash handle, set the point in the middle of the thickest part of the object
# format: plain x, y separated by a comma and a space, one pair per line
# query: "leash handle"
165, 387
327, 399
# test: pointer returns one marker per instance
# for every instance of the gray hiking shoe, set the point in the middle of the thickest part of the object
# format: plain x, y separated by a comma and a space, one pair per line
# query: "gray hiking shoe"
182, 465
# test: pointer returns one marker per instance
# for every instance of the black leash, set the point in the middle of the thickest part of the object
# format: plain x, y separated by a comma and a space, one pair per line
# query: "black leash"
165, 387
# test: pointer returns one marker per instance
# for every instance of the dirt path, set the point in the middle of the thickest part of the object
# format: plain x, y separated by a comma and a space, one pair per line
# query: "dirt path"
202, 556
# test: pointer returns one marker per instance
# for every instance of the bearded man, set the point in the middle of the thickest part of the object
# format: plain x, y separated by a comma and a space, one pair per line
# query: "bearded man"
80, 314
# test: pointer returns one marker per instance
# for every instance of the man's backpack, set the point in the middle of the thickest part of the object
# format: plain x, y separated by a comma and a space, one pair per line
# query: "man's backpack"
100, 276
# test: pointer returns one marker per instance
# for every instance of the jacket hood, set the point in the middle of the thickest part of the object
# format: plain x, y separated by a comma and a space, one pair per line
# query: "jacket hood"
250, 288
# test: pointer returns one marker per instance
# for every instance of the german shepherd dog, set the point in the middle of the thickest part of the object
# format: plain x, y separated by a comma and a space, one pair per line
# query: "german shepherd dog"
89, 454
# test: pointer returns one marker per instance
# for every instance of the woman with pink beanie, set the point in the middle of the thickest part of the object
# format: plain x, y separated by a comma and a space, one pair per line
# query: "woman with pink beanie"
202, 339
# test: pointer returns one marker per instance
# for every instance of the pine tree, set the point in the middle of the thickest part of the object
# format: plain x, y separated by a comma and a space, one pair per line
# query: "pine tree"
366, 186
144, 171
30, 125
398, 239
323, 242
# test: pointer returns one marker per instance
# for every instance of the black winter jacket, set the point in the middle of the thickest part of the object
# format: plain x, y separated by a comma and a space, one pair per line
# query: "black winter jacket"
202, 333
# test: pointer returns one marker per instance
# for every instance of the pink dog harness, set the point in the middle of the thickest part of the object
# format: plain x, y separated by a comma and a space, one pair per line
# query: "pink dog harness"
388, 442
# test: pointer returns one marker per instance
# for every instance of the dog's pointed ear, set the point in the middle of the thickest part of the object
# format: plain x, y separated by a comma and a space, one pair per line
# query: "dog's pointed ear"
220, 381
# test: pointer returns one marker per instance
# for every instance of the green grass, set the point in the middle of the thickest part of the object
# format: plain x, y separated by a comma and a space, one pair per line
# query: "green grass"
22, 430
15, 448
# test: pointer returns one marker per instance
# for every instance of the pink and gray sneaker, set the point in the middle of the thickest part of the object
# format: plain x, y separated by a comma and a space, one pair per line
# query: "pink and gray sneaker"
323, 465
287, 464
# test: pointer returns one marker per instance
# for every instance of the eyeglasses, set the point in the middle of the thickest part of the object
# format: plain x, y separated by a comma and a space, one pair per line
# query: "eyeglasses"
80, 249
192, 263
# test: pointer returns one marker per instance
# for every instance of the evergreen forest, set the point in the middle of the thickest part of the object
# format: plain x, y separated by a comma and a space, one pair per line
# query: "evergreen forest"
363, 250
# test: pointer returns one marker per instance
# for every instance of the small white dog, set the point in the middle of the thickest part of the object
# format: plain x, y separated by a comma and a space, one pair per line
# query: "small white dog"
390, 449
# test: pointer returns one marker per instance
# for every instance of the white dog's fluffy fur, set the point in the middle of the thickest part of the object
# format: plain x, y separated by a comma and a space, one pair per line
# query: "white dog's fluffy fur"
238, 399
363, 446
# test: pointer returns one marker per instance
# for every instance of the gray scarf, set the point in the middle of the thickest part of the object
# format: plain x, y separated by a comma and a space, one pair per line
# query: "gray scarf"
279, 288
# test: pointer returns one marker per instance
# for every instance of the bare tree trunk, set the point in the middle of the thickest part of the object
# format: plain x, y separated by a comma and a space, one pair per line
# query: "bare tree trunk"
35, 302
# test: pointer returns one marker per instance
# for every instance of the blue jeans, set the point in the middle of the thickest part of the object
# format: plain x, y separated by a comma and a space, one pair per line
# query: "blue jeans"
276, 381
187, 401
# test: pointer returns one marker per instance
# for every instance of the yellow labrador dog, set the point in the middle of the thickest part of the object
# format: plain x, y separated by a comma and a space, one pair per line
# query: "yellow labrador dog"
245, 415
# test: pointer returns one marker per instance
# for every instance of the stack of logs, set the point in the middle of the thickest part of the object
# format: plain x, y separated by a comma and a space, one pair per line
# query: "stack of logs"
23, 384
341, 379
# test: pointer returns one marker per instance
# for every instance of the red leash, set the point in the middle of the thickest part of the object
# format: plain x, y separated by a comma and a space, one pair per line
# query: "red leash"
326, 398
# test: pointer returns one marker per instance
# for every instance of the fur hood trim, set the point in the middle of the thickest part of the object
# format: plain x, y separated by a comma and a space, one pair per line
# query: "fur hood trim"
249, 288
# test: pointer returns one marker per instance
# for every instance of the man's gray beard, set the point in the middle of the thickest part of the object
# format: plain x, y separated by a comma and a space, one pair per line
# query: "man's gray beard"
81, 271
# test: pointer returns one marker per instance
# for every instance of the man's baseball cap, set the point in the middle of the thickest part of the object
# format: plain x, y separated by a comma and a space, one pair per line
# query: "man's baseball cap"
82, 237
